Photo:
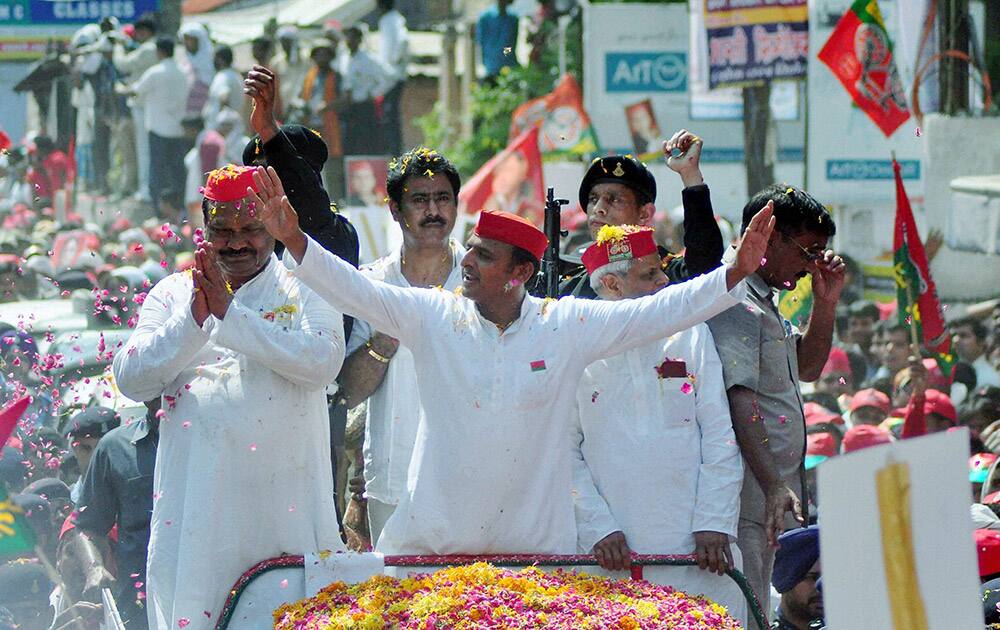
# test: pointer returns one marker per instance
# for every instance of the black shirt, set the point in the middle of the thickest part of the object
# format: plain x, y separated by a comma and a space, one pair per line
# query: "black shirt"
118, 488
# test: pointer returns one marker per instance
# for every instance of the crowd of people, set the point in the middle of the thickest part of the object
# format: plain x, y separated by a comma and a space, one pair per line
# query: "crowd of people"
251, 393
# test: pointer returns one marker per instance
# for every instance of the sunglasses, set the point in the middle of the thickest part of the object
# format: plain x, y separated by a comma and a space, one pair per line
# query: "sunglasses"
808, 255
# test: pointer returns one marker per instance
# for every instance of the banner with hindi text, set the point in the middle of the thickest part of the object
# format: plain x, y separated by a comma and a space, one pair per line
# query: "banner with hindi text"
750, 41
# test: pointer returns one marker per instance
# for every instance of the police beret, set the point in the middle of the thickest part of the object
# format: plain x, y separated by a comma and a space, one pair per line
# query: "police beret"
92, 422
622, 169
798, 551
307, 143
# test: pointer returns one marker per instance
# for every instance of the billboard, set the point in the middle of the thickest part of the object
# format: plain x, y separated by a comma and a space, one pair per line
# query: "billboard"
24, 12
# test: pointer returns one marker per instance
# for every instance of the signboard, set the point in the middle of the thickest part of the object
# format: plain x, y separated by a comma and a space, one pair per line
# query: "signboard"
23, 48
640, 76
898, 514
73, 11
756, 40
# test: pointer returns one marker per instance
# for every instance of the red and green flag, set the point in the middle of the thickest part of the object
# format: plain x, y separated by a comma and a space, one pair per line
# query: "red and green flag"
16, 537
795, 304
917, 298
859, 53
564, 126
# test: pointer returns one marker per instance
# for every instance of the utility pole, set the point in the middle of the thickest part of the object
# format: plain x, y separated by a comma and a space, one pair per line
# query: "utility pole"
758, 153
169, 17
953, 31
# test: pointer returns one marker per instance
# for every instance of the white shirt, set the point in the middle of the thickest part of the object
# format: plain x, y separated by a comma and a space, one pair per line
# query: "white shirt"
657, 459
491, 469
364, 77
137, 61
394, 408
162, 91
243, 469
84, 100
394, 44
985, 373
226, 90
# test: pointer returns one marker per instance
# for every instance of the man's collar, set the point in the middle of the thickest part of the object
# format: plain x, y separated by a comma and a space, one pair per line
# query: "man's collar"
141, 429
758, 286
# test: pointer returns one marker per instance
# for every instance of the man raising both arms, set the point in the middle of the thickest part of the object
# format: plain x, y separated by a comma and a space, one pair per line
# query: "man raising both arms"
491, 467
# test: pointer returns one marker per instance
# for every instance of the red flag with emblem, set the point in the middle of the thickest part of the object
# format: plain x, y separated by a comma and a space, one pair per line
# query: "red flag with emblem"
859, 53
510, 181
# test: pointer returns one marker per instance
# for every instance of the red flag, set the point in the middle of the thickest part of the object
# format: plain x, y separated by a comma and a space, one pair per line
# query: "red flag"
859, 53
915, 291
9, 417
565, 126
511, 181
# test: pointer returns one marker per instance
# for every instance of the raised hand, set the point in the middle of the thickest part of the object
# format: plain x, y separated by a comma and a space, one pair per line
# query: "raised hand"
683, 155
753, 245
261, 86
273, 208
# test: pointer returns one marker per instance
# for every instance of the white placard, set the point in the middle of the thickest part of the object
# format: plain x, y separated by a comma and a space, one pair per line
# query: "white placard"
855, 589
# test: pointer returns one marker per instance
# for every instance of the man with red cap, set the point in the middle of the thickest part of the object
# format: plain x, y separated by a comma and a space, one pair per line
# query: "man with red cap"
241, 353
656, 468
497, 372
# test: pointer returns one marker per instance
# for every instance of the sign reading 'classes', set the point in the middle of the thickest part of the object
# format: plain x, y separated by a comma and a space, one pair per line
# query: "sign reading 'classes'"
645, 71
72, 11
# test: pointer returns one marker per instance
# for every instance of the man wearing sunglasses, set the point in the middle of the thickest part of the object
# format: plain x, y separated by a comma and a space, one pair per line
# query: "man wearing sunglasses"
763, 359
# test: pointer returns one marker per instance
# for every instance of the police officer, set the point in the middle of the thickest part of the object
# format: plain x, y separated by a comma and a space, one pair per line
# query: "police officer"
620, 190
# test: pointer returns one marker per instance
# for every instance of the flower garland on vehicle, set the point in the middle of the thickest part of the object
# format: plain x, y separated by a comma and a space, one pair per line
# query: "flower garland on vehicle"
483, 596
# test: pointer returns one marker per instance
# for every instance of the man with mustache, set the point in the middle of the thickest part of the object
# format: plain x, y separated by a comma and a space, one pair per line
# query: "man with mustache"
241, 353
763, 359
496, 373
796, 576
423, 188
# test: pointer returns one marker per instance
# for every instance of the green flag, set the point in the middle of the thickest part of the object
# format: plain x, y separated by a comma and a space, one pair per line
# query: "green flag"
16, 537
795, 304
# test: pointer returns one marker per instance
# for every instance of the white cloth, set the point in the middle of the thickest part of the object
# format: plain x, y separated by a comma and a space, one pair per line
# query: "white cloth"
364, 77
135, 62
243, 469
491, 469
201, 65
394, 44
291, 74
84, 100
225, 91
656, 458
162, 91
394, 408
985, 373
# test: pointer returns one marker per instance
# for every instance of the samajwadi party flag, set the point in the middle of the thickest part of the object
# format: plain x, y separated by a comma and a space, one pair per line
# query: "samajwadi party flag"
510, 181
795, 304
860, 54
16, 537
565, 126
915, 292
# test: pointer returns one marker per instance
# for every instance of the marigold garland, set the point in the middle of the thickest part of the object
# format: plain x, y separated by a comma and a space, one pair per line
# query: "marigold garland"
482, 596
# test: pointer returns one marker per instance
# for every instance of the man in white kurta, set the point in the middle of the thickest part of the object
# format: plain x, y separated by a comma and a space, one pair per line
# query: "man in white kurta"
243, 471
491, 470
655, 457
422, 188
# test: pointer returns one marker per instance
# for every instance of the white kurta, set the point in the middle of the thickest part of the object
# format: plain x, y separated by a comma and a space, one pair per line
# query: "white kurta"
492, 466
243, 469
656, 458
394, 408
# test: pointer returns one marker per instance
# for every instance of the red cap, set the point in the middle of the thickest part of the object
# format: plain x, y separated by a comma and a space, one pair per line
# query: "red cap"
816, 413
863, 436
939, 403
821, 444
870, 398
993, 497
5, 142
229, 183
619, 242
513, 230
988, 550
837, 362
